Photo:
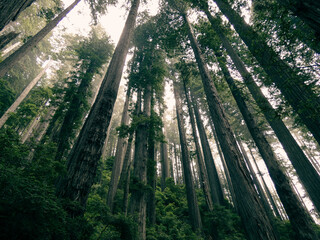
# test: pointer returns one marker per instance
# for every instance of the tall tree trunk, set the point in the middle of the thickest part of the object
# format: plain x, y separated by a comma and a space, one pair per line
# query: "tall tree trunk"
139, 178
176, 163
10, 10
307, 174
300, 220
84, 157
215, 186
165, 166
118, 159
23, 95
7, 38
307, 10
194, 213
250, 209
203, 172
10, 61
273, 203
300, 96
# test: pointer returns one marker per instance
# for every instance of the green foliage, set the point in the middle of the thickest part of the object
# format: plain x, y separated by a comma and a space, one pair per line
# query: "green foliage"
6, 96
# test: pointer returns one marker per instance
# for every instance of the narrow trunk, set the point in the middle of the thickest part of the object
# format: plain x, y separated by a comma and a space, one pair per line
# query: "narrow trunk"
250, 209
118, 159
176, 163
301, 97
10, 10
204, 176
307, 174
84, 157
194, 213
23, 95
215, 186
165, 167
7, 38
139, 178
10, 61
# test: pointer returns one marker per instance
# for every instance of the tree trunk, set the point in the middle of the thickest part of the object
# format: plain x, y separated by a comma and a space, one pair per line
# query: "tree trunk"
10, 61
194, 213
165, 167
300, 220
215, 186
10, 10
118, 159
23, 95
204, 176
273, 204
7, 38
139, 178
84, 157
307, 174
250, 209
307, 10
300, 96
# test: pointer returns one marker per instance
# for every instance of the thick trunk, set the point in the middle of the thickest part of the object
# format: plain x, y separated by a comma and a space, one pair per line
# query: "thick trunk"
10, 61
7, 38
138, 204
300, 220
250, 209
307, 10
85, 155
151, 179
194, 213
118, 159
301, 97
10, 10
215, 186
307, 174
204, 176
23, 95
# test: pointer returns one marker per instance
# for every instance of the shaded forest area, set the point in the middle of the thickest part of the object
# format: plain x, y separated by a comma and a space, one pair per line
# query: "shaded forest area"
201, 122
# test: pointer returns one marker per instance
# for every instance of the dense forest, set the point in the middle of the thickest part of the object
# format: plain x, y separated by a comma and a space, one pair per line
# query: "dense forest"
202, 121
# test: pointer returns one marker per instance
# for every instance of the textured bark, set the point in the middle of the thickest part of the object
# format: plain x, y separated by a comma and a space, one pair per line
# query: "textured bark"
10, 10
194, 213
85, 155
300, 220
307, 174
250, 209
7, 38
118, 159
165, 167
22, 96
138, 204
215, 186
203, 172
301, 97
307, 10
10, 61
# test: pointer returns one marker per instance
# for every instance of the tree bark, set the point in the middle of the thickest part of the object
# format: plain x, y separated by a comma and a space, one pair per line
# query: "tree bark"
23, 95
301, 97
194, 213
138, 205
7, 38
10, 61
204, 176
118, 159
10, 10
84, 157
250, 209
165, 166
307, 174
215, 186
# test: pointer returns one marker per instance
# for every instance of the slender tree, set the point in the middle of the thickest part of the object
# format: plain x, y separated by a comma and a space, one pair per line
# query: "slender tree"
10, 61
